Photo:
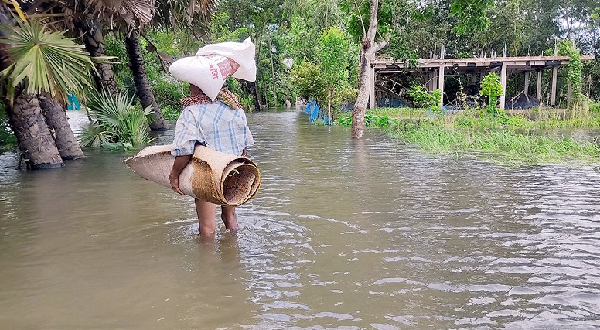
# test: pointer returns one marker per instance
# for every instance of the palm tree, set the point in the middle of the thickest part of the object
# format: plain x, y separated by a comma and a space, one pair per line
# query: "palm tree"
41, 65
87, 18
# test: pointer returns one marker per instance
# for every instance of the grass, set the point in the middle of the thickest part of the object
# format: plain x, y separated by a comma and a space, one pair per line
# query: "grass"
541, 136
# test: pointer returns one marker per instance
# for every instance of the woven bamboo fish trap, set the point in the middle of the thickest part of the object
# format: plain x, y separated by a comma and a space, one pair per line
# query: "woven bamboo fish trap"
211, 175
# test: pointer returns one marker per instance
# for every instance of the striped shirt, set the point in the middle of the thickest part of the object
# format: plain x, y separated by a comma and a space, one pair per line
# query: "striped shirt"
213, 124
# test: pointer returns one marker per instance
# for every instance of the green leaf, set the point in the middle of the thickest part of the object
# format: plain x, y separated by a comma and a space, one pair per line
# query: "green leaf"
45, 61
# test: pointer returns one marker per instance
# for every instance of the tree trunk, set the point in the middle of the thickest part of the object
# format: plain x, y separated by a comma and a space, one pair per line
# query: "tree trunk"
360, 106
250, 87
35, 140
256, 91
56, 118
329, 106
140, 78
94, 43
272, 72
367, 53
25, 117
257, 102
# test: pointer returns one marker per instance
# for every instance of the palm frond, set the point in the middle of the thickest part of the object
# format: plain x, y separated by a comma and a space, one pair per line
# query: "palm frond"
45, 61
115, 122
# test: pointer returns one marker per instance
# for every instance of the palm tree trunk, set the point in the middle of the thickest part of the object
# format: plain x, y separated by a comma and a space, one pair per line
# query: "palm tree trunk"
35, 140
140, 78
36, 143
94, 43
56, 118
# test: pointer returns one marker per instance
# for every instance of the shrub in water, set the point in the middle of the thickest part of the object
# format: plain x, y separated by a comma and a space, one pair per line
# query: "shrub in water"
116, 123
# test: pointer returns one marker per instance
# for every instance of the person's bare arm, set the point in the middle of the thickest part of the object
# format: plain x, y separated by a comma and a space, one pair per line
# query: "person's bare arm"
178, 165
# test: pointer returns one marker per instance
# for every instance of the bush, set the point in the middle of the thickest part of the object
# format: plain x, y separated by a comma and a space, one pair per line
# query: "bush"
492, 88
595, 107
425, 99
371, 120
7, 137
168, 93
116, 123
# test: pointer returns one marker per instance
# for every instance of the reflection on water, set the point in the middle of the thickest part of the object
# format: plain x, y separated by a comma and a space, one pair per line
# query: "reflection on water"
342, 235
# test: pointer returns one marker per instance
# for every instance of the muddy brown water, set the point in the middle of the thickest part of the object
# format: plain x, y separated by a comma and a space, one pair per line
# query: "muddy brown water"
342, 235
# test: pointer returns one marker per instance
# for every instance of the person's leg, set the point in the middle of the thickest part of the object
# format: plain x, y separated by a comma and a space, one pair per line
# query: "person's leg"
229, 217
206, 217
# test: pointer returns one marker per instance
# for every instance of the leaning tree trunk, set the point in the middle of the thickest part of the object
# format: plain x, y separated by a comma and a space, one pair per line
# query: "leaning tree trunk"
91, 32
367, 53
56, 118
35, 140
140, 78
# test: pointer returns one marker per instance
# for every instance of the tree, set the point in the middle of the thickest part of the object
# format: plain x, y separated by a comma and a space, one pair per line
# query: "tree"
87, 19
334, 54
143, 90
368, 49
39, 66
263, 20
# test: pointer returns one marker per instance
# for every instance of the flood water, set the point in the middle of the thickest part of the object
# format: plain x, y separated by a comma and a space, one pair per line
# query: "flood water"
343, 234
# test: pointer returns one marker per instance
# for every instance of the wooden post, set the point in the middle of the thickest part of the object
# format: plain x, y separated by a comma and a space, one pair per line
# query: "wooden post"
441, 83
372, 102
539, 86
526, 87
554, 78
554, 82
430, 81
569, 96
503, 83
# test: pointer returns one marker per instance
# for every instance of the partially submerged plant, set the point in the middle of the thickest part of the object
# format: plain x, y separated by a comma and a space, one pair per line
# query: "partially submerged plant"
116, 123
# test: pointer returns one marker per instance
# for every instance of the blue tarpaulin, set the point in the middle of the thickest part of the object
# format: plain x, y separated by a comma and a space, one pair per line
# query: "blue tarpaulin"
73, 102
312, 109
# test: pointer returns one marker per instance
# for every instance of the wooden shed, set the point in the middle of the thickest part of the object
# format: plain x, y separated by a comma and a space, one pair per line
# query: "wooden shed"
435, 70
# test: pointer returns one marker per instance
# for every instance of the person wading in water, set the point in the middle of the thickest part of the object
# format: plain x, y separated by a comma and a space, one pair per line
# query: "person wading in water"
218, 123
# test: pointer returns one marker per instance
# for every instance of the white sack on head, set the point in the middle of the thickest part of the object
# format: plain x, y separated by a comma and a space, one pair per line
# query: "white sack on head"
241, 52
212, 64
203, 71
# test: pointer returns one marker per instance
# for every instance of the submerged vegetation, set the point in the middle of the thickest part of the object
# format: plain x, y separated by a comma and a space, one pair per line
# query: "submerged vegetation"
115, 123
542, 136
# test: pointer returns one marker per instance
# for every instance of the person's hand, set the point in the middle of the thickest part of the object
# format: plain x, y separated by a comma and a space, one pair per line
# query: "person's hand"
244, 153
174, 180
